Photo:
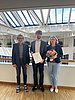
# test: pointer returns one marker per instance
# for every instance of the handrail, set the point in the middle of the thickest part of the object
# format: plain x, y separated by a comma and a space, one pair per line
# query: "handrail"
62, 60
5, 58
65, 60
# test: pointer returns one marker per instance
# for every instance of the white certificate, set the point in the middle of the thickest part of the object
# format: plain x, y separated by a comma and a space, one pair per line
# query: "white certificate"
37, 57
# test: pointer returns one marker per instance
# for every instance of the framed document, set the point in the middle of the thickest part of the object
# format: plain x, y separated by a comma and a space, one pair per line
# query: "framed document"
37, 57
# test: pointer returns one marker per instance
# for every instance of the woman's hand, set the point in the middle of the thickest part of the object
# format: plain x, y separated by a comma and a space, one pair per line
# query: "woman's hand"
14, 65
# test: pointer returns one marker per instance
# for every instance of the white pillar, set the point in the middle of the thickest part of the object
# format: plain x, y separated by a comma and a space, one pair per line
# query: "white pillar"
3, 41
12, 40
71, 42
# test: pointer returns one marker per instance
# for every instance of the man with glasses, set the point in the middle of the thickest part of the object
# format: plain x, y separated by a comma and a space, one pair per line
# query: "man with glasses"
20, 58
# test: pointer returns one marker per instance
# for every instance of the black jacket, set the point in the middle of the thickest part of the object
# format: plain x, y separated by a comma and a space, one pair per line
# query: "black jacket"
43, 49
16, 56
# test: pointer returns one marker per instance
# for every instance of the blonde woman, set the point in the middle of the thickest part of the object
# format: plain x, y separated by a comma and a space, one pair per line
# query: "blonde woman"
54, 53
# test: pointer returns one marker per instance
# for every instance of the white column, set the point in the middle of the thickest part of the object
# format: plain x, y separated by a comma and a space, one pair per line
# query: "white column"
12, 40
71, 42
3, 41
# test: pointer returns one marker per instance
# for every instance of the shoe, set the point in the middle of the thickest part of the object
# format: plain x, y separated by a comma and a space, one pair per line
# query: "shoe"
51, 89
42, 88
18, 89
25, 87
56, 90
34, 88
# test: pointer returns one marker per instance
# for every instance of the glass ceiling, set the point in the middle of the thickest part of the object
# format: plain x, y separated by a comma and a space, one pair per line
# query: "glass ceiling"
38, 17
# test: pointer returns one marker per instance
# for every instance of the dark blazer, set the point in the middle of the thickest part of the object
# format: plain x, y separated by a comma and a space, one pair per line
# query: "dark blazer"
43, 48
59, 51
16, 57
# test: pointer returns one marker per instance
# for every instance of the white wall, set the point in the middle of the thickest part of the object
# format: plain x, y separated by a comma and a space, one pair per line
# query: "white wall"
66, 75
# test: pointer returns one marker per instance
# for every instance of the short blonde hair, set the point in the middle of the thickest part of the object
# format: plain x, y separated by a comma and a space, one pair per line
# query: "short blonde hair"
52, 38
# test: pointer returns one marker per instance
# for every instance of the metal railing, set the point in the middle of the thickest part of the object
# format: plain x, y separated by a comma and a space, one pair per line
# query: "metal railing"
62, 60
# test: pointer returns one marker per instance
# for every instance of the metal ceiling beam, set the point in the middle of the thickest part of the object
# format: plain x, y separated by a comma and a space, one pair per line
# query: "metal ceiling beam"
4, 18
55, 16
35, 17
48, 16
70, 16
18, 18
62, 14
42, 16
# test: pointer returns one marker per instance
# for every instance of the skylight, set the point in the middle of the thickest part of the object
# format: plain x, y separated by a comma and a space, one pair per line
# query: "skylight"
39, 17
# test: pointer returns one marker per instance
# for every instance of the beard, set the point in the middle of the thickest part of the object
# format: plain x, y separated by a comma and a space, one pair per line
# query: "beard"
38, 37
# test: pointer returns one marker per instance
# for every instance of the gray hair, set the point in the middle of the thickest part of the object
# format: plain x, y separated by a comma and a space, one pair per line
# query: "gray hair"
20, 35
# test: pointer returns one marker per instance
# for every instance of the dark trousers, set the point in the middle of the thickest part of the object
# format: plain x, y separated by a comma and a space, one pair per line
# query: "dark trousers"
37, 67
18, 72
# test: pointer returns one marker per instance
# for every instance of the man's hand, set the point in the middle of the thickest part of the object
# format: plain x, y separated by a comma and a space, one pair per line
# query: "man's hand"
14, 65
42, 61
26, 65
32, 54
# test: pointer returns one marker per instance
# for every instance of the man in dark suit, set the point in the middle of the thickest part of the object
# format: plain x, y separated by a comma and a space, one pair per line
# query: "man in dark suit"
20, 57
38, 46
